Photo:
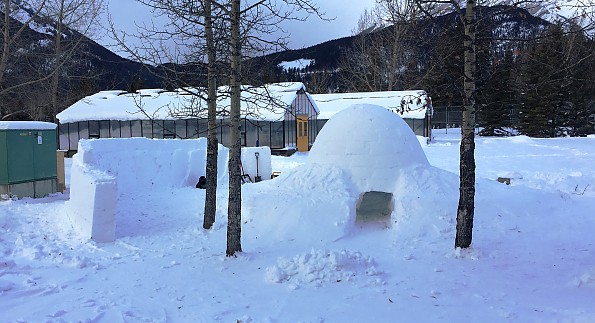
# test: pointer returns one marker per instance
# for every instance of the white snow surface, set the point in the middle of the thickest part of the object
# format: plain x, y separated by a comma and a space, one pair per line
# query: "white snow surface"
408, 104
298, 63
267, 102
305, 260
27, 125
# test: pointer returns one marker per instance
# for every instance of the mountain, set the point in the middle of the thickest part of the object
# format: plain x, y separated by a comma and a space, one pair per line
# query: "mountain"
87, 66
93, 67
504, 22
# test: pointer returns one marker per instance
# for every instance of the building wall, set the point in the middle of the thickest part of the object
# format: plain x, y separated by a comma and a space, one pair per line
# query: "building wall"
274, 134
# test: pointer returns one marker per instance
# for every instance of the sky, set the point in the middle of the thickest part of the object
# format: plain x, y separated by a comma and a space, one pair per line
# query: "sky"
345, 13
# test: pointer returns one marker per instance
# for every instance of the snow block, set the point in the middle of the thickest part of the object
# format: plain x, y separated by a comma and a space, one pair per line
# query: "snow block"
249, 162
93, 203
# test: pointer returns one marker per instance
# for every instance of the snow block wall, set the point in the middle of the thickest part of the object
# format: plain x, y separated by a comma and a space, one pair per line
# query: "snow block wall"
142, 163
103, 169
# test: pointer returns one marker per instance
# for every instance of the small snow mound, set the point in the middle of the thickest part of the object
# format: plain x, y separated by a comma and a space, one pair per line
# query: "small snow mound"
6, 285
464, 253
320, 267
327, 212
510, 174
585, 280
522, 139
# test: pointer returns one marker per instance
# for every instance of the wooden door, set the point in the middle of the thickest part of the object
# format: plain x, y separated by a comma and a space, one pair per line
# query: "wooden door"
302, 132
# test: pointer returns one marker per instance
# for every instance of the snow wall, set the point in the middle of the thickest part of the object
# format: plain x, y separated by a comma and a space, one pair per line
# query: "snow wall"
103, 169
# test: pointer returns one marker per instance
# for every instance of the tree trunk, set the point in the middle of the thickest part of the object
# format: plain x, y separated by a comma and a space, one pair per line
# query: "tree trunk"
234, 209
212, 146
466, 206
57, 61
6, 40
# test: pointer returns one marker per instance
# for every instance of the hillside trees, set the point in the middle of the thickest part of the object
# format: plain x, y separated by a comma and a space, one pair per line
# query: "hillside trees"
384, 45
46, 59
81, 15
558, 85
12, 34
498, 98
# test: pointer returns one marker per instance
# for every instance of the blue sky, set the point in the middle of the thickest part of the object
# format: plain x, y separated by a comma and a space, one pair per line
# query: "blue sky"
125, 13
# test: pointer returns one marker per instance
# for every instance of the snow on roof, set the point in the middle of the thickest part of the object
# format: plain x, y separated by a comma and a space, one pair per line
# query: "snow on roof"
27, 125
266, 102
408, 104
380, 144
299, 64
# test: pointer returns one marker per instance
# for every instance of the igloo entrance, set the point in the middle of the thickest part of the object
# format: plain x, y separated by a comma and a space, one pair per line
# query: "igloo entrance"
374, 208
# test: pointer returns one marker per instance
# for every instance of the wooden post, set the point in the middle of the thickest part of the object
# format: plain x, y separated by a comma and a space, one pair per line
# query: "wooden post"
61, 176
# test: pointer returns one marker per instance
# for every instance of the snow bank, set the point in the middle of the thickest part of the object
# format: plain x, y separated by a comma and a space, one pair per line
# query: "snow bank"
321, 207
319, 267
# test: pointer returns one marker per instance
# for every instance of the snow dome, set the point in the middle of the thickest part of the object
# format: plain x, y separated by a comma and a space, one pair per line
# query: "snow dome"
371, 143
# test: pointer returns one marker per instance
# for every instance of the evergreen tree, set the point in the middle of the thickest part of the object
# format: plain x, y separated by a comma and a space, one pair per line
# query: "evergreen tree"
541, 111
497, 98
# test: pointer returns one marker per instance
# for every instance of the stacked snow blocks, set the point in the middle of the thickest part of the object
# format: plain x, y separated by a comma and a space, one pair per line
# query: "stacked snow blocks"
104, 169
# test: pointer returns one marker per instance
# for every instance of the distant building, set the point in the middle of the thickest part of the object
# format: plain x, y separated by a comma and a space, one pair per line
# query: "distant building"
282, 116
415, 107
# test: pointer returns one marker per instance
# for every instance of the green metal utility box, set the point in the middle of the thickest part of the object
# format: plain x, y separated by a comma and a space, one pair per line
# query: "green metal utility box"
28, 164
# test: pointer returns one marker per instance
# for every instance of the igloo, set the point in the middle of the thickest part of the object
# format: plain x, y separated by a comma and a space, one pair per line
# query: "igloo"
371, 143
357, 166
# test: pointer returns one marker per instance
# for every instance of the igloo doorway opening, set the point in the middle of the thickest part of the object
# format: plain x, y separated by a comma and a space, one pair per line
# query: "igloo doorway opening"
374, 209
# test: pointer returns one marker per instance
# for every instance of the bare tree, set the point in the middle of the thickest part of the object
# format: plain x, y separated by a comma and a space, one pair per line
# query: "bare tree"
212, 145
34, 59
224, 34
80, 15
194, 36
11, 35
468, 17
234, 208
466, 208
384, 43
249, 27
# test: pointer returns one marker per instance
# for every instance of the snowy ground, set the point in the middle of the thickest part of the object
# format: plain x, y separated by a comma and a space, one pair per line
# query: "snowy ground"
532, 260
